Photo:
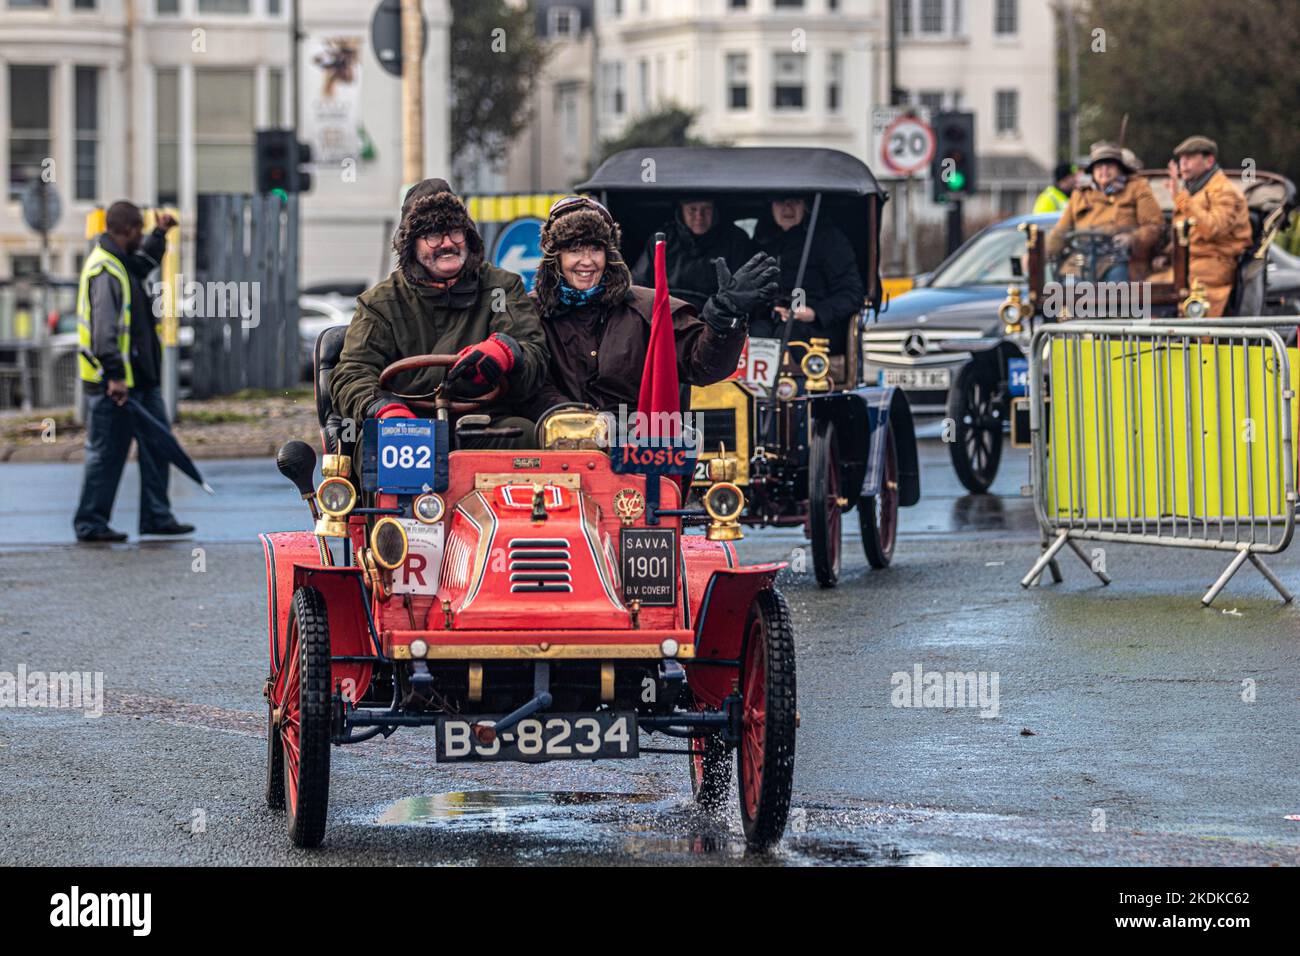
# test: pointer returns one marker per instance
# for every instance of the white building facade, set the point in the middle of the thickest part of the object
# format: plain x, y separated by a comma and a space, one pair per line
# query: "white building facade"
157, 101
808, 72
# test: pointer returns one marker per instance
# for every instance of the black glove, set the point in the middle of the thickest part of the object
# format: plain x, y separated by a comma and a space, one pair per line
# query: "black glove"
381, 402
481, 366
755, 284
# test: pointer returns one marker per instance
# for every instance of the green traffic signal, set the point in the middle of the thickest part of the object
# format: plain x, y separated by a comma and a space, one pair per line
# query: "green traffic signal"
956, 181
284, 196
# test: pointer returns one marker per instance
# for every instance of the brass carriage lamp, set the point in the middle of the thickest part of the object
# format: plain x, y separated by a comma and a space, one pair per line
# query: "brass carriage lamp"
816, 366
1197, 303
724, 501
336, 497
1013, 311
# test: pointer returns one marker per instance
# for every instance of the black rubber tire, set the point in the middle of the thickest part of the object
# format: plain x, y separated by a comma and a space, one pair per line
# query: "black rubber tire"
709, 786
765, 825
308, 815
823, 486
976, 448
274, 762
880, 533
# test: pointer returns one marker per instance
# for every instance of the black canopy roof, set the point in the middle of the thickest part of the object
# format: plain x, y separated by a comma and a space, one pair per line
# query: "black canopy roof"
743, 180
731, 169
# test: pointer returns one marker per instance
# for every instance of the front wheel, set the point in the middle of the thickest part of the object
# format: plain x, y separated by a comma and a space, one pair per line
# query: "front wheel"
305, 719
768, 719
274, 762
878, 513
824, 508
975, 410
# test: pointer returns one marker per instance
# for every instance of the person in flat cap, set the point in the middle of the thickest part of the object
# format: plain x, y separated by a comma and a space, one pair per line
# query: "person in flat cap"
1117, 202
442, 298
697, 234
1221, 233
597, 322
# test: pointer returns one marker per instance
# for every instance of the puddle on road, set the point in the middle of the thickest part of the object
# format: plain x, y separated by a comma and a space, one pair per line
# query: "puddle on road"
646, 827
499, 804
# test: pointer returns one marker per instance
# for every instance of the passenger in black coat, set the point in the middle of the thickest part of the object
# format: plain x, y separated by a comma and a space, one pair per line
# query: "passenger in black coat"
696, 236
832, 285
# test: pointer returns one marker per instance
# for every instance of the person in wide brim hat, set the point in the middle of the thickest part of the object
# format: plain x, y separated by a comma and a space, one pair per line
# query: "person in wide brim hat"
1115, 202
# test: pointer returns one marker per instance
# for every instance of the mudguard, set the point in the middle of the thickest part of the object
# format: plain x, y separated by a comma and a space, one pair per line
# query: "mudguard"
283, 551
352, 633
720, 629
857, 415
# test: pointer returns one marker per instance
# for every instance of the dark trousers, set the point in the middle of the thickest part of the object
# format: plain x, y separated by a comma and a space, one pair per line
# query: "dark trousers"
108, 442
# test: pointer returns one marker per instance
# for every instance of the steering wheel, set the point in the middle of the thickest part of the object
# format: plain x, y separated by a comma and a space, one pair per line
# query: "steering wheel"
436, 399
1092, 245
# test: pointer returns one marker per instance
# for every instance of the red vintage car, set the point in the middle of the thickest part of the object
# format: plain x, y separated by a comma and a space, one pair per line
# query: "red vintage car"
529, 606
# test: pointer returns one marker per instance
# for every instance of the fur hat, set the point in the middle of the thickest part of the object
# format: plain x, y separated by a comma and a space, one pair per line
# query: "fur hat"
579, 222
428, 212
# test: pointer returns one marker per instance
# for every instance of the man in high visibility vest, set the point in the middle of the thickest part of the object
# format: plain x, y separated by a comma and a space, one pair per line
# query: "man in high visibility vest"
120, 357
1057, 196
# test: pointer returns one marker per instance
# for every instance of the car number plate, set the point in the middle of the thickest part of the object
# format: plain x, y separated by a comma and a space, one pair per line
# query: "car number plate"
603, 736
648, 562
916, 377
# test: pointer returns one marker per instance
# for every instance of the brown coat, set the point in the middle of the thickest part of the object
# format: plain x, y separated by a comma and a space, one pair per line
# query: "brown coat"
598, 353
1133, 209
1222, 229
1220, 236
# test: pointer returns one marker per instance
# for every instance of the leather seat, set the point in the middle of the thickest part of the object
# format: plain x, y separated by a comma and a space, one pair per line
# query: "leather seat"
329, 346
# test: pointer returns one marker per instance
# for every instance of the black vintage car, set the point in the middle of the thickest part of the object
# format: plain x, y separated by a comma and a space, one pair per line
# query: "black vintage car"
811, 437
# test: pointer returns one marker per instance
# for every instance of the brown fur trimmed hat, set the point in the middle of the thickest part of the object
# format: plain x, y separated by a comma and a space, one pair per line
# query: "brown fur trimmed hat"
434, 211
578, 221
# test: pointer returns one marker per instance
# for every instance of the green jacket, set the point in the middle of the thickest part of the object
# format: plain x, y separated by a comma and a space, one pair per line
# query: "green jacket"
397, 319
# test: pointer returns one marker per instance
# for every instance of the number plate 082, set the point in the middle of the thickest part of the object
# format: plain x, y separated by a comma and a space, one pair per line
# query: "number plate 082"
544, 737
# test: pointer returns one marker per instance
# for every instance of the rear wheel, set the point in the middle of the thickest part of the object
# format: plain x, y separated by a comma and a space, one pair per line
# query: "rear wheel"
710, 770
305, 719
878, 513
975, 409
824, 508
766, 752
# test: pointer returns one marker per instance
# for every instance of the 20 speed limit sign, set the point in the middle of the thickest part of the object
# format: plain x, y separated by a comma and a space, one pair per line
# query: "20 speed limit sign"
908, 145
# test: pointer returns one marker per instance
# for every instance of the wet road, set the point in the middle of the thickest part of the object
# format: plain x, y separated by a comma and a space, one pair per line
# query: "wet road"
1131, 725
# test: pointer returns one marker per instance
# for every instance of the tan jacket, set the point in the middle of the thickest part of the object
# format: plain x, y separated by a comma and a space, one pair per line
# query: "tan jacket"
1133, 209
1222, 229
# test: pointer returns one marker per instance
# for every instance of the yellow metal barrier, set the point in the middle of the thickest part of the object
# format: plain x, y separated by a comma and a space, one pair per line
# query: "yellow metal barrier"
1174, 435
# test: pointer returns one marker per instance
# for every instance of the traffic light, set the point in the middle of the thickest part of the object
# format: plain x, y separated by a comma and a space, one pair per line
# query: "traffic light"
279, 158
952, 171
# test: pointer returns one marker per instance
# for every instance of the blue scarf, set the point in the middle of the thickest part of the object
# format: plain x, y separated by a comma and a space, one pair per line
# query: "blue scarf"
575, 298
1116, 185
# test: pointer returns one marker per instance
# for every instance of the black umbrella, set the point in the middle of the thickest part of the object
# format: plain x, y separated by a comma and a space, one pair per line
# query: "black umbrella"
161, 440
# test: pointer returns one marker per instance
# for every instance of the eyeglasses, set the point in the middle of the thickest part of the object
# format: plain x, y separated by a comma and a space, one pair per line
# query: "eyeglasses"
435, 238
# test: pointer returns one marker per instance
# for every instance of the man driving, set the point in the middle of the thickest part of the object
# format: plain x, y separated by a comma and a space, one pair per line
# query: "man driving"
443, 298
1115, 202
832, 291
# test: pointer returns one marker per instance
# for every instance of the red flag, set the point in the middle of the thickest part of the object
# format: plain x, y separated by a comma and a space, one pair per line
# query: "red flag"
659, 386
